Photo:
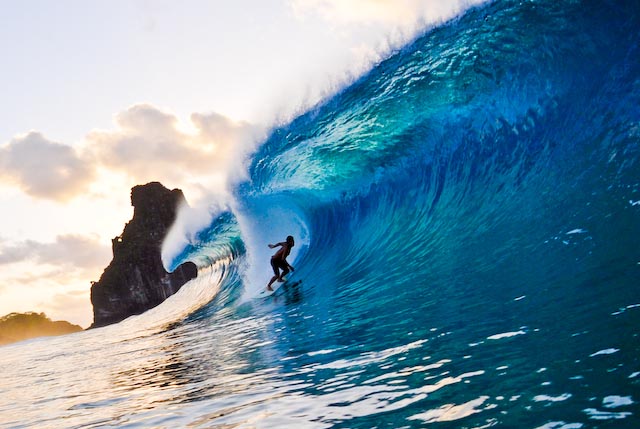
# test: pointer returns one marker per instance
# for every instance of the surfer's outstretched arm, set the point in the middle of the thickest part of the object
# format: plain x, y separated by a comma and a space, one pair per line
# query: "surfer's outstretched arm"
282, 243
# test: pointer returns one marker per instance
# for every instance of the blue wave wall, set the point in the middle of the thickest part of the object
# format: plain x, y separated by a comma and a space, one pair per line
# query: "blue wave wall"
497, 153
485, 175
495, 156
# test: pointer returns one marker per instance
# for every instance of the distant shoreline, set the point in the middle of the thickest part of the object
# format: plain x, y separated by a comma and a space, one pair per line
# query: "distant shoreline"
16, 327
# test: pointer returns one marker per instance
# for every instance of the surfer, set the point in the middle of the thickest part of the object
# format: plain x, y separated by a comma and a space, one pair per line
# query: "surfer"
279, 260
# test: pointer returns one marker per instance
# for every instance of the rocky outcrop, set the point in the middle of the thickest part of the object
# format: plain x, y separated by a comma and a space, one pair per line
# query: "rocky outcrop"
136, 280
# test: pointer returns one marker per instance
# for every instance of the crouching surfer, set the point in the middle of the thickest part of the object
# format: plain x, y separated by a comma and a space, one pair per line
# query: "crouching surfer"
279, 261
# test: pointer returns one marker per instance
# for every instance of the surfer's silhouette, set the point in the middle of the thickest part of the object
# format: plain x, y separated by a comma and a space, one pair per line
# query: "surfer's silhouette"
279, 261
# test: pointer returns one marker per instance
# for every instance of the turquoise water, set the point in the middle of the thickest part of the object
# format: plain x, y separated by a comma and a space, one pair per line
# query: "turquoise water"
467, 218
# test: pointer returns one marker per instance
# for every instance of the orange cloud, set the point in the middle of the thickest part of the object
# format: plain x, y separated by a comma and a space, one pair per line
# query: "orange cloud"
43, 168
147, 144
74, 252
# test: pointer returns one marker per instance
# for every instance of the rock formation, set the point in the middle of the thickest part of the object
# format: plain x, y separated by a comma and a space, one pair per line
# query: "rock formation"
136, 280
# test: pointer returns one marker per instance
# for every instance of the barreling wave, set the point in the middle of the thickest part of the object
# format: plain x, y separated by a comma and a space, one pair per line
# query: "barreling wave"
475, 148
473, 202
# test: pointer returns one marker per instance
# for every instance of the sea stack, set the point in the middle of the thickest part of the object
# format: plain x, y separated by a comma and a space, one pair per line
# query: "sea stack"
136, 280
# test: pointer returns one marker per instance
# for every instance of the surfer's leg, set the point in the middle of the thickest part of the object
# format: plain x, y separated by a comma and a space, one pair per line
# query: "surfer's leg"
273, 279
285, 270
276, 271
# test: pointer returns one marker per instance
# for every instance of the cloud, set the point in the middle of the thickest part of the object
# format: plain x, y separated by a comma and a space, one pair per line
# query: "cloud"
70, 306
233, 141
41, 277
149, 144
395, 12
44, 169
74, 252
52, 277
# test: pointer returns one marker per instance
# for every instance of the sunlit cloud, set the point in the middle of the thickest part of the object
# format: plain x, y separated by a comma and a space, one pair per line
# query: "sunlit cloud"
56, 276
62, 292
146, 144
84, 254
43, 168
233, 141
149, 144
357, 10
30, 275
71, 305
396, 12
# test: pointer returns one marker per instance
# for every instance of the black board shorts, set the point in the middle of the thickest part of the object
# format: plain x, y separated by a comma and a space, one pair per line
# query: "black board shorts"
279, 264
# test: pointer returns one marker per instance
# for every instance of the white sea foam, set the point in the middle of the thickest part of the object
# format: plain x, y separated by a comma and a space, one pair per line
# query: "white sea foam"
576, 231
506, 335
451, 412
405, 372
371, 357
322, 352
547, 398
560, 425
605, 352
614, 401
605, 415
623, 309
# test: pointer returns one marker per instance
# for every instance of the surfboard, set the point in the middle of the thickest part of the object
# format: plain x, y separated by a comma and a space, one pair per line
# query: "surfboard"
266, 292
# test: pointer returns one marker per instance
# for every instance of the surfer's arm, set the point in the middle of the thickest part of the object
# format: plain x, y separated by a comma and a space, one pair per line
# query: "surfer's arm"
271, 246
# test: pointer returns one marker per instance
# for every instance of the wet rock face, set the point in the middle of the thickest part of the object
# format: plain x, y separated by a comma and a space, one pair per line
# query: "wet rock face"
135, 280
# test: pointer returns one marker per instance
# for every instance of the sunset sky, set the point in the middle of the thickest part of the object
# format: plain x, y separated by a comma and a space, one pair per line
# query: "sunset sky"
99, 96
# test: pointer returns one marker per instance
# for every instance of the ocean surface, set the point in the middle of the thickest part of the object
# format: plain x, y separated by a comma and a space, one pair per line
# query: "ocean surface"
467, 225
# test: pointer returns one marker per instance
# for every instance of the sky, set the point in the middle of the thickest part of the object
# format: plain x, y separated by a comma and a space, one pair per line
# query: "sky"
99, 96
